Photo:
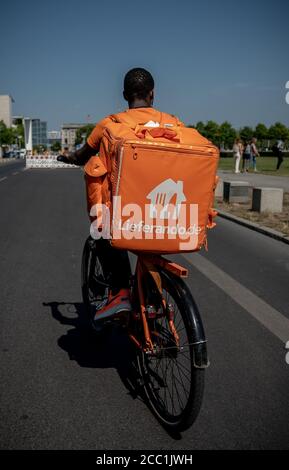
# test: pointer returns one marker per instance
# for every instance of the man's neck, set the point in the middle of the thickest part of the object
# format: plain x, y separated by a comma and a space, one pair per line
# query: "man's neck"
140, 104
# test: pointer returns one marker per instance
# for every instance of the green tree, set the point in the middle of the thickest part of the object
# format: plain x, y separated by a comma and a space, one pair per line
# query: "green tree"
83, 131
56, 147
211, 131
19, 133
246, 133
7, 136
278, 131
227, 135
200, 126
39, 148
262, 134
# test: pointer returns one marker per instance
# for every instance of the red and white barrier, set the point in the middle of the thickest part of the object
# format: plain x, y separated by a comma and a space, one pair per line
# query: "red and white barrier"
45, 161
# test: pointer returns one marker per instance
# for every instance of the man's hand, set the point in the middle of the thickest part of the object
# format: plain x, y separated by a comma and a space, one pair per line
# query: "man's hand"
63, 159
79, 157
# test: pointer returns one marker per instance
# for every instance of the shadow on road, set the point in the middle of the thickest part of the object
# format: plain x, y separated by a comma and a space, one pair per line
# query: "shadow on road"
112, 349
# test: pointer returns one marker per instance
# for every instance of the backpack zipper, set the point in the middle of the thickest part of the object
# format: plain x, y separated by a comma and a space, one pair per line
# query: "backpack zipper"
155, 146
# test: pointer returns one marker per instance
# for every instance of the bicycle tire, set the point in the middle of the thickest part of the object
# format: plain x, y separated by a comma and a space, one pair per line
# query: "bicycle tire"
93, 283
189, 313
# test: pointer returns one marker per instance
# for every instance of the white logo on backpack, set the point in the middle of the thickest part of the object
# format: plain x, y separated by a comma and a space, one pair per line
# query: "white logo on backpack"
166, 200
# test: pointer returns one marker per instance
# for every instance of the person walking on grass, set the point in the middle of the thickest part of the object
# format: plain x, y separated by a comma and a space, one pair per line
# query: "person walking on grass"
237, 153
246, 157
278, 151
254, 153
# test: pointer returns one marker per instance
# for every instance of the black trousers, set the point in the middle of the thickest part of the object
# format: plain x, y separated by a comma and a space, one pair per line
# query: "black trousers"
115, 264
280, 160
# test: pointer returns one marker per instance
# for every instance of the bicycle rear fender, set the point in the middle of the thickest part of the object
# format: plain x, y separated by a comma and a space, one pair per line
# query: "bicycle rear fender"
200, 355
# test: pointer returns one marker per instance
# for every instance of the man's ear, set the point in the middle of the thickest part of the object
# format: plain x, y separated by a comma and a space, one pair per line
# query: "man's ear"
124, 95
152, 96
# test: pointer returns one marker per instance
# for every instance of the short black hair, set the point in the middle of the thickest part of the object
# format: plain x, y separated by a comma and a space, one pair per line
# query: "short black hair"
138, 83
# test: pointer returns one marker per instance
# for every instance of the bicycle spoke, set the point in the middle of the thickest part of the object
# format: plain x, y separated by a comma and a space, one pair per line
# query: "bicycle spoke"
170, 386
176, 388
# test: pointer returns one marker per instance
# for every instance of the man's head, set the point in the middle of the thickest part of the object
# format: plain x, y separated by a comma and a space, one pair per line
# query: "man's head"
138, 87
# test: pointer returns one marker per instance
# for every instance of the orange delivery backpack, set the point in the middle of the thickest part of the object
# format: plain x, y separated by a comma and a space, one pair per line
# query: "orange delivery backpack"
151, 188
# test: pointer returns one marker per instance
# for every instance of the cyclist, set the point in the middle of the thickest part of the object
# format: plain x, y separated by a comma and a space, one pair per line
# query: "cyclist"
139, 93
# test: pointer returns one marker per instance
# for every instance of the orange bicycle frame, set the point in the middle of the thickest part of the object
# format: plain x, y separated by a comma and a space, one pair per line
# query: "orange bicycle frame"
143, 264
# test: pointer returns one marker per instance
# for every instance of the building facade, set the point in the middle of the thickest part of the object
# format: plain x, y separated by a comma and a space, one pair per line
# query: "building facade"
6, 109
35, 133
39, 132
54, 137
68, 135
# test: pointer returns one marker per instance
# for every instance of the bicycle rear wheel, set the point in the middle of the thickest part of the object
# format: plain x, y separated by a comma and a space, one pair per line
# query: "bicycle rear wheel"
173, 384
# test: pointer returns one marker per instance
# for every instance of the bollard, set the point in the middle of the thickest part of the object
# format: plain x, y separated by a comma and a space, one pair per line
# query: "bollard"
236, 191
267, 199
219, 191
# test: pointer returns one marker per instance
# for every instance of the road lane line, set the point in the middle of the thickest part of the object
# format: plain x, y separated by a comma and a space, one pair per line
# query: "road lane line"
4, 178
268, 316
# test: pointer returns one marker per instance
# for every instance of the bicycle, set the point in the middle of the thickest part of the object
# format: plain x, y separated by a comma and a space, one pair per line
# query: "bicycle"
165, 328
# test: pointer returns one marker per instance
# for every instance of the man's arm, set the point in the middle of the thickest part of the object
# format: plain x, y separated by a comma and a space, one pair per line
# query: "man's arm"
90, 148
81, 156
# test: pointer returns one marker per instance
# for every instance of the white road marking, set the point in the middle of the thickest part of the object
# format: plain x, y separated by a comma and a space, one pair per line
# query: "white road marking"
4, 178
16, 173
268, 316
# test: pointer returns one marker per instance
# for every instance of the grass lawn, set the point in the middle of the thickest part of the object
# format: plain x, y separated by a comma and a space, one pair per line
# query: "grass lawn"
266, 165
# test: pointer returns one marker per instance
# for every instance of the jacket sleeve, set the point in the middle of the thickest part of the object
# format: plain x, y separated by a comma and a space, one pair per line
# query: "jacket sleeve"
95, 137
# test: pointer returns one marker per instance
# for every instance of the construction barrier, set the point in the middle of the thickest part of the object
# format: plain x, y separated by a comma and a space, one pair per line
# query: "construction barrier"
45, 161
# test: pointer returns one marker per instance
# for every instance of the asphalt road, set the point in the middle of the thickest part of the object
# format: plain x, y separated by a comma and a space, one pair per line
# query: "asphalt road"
10, 167
60, 389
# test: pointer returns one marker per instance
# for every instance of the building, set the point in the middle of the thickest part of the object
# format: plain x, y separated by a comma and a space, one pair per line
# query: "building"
39, 133
35, 133
68, 135
53, 137
6, 109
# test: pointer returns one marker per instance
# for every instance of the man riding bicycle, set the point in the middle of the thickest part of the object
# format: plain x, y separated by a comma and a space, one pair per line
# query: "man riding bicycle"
139, 93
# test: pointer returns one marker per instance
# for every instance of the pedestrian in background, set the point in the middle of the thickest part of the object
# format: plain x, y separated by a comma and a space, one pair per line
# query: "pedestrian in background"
237, 153
246, 157
254, 153
278, 151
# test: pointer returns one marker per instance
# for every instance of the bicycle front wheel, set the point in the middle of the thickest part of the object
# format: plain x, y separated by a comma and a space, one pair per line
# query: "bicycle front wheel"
173, 384
94, 282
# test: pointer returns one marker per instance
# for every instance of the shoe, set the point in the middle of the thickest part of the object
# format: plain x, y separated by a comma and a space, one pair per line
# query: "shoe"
116, 304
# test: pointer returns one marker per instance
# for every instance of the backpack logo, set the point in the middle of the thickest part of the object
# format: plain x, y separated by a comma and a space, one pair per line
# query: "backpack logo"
166, 200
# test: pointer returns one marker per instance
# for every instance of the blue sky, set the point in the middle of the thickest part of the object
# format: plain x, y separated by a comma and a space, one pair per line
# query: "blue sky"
222, 60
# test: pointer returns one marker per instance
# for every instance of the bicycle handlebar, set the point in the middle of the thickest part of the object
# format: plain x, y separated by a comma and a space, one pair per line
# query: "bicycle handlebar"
64, 159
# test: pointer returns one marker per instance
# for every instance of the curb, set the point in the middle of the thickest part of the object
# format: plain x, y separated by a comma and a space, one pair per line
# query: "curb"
253, 226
